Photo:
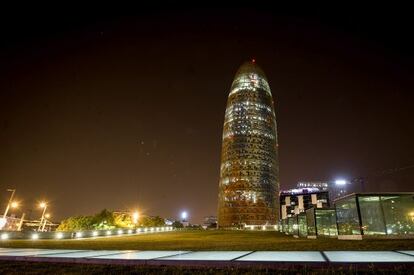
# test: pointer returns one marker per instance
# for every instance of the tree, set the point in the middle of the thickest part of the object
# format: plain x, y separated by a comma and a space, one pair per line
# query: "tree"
107, 220
104, 220
194, 226
76, 223
149, 221
177, 224
123, 220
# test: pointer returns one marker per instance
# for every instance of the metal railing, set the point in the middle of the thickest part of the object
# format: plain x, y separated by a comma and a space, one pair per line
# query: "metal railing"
80, 234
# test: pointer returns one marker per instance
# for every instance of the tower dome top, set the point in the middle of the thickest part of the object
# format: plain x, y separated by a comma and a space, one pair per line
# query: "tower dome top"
250, 76
249, 67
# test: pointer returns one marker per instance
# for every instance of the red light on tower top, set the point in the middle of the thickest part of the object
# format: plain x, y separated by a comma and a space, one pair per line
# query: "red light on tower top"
253, 60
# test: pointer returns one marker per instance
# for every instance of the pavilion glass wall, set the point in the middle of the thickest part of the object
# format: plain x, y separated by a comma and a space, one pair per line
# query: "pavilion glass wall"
302, 225
347, 216
291, 222
295, 225
285, 225
310, 221
325, 221
372, 217
398, 214
378, 215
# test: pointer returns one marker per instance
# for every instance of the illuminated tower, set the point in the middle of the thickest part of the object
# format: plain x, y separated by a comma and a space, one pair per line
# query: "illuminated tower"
249, 172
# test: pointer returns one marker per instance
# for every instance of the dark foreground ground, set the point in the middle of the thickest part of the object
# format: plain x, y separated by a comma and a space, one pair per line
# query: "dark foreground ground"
15, 267
213, 240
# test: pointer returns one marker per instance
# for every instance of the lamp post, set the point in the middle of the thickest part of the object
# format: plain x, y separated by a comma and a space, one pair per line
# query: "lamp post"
21, 222
44, 206
9, 204
47, 216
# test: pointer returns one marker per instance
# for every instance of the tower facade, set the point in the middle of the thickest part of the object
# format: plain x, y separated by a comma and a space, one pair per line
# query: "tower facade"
249, 172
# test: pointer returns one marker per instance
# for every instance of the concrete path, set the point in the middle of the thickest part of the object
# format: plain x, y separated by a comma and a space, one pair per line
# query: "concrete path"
207, 258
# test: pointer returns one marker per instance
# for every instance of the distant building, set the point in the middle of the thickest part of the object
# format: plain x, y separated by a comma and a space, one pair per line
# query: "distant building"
336, 189
168, 222
10, 223
321, 185
358, 184
295, 201
210, 222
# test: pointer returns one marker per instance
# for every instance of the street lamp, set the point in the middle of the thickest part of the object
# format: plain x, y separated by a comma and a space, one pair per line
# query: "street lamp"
44, 206
9, 203
19, 227
14, 204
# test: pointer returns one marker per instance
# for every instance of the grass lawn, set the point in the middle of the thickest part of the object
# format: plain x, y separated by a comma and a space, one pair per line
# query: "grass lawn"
213, 240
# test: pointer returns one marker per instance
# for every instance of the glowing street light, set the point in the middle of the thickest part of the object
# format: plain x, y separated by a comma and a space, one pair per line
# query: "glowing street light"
411, 215
340, 182
14, 204
339, 188
184, 215
135, 217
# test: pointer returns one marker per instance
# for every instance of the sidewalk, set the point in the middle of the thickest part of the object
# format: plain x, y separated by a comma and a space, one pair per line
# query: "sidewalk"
207, 258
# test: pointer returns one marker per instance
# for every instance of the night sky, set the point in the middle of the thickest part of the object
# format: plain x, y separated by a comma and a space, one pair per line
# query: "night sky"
118, 112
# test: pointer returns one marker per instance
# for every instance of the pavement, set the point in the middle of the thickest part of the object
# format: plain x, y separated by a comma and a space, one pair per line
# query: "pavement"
208, 258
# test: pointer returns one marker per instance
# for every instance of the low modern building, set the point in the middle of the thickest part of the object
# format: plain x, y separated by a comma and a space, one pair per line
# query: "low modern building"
169, 222
375, 214
295, 201
357, 216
